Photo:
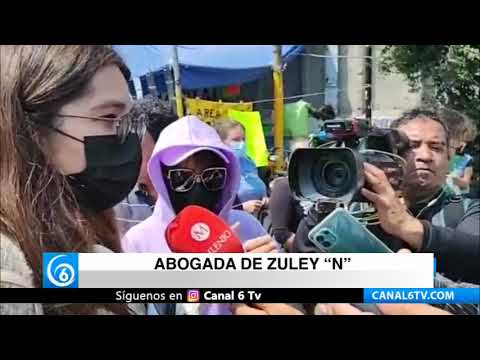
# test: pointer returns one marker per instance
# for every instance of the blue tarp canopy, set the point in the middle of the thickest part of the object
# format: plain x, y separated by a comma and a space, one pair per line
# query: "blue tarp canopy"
204, 66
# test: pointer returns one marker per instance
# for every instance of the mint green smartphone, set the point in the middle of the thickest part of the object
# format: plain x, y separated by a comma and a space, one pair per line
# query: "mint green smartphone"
340, 232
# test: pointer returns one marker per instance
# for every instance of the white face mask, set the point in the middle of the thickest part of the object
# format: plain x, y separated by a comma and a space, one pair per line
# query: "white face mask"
237, 145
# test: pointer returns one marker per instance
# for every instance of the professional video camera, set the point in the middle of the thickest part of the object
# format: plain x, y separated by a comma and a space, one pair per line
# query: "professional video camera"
345, 131
336, 173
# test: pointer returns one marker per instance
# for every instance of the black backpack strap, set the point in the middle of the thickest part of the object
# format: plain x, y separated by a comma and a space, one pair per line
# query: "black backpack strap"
455, 211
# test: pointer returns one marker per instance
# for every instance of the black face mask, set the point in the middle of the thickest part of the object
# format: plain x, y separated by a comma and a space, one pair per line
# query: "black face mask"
460, 151
198, 195
112, 171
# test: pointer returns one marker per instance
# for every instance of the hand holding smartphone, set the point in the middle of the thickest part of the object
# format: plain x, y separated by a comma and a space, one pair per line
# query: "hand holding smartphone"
340, 232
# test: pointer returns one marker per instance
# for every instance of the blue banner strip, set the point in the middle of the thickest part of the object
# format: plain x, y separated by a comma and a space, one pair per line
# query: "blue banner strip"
422, 296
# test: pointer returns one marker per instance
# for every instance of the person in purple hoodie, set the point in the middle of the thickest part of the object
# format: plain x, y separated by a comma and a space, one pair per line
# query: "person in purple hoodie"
189, 150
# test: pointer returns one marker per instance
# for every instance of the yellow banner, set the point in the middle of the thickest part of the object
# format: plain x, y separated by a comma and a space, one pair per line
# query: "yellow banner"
209, 111
254, 137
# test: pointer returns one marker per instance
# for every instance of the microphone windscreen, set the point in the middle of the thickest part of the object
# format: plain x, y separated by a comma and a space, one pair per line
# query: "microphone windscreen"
198, 230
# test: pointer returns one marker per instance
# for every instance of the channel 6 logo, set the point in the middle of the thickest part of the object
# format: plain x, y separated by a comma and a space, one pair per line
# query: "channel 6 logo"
60, 270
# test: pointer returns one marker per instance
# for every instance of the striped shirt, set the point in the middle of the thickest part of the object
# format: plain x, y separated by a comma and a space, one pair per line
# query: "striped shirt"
137, 207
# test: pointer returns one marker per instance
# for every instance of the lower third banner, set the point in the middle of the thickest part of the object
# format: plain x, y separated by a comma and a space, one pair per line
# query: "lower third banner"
270, 295
98, 295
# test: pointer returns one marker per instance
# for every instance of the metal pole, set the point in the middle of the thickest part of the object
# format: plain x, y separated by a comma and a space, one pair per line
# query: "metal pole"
170, 88
278, 104
368, 83
176, 79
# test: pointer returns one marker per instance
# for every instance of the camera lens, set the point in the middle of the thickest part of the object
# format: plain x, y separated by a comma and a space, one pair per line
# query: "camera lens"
327, 173
333, 177
336, 174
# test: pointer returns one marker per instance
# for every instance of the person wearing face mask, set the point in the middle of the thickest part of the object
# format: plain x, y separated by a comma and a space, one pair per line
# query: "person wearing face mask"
191, 166
252, 193
70, 153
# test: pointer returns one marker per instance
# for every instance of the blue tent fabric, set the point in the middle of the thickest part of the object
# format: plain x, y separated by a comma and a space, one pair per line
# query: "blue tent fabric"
204, 66
194, 77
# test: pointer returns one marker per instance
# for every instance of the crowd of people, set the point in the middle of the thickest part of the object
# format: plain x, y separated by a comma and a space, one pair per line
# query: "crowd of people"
89, 170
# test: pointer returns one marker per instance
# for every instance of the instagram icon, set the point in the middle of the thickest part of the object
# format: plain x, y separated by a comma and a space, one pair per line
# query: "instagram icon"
193, 296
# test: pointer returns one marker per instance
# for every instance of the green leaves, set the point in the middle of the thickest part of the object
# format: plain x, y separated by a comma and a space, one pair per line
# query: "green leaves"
453, 69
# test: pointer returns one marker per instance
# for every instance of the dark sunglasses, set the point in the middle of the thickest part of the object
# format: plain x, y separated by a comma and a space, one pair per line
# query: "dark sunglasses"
183, 180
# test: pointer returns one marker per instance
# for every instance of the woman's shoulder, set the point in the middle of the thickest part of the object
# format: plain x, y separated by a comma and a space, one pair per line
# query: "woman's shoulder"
144, 237
15, 270
15, 273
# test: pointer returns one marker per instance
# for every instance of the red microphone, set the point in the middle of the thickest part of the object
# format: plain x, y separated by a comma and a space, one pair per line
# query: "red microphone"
198, 230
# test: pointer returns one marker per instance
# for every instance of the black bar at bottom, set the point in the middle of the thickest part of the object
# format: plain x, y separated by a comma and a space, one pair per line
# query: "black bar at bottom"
181, 295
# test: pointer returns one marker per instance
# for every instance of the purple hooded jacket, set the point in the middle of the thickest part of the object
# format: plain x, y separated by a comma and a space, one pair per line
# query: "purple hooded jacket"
177, 142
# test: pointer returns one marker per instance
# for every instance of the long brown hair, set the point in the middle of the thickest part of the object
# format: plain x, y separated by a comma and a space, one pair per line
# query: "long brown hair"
37, 206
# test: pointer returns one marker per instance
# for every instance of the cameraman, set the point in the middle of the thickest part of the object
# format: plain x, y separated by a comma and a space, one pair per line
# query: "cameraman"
431, 219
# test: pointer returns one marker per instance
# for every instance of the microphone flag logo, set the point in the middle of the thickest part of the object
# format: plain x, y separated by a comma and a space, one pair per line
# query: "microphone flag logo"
200, 231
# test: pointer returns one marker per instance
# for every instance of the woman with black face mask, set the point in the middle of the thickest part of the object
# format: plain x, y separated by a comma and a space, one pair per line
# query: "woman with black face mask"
191, 166
69, 153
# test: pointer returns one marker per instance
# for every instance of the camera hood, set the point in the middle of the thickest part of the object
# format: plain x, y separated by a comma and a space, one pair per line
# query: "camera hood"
334, 173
